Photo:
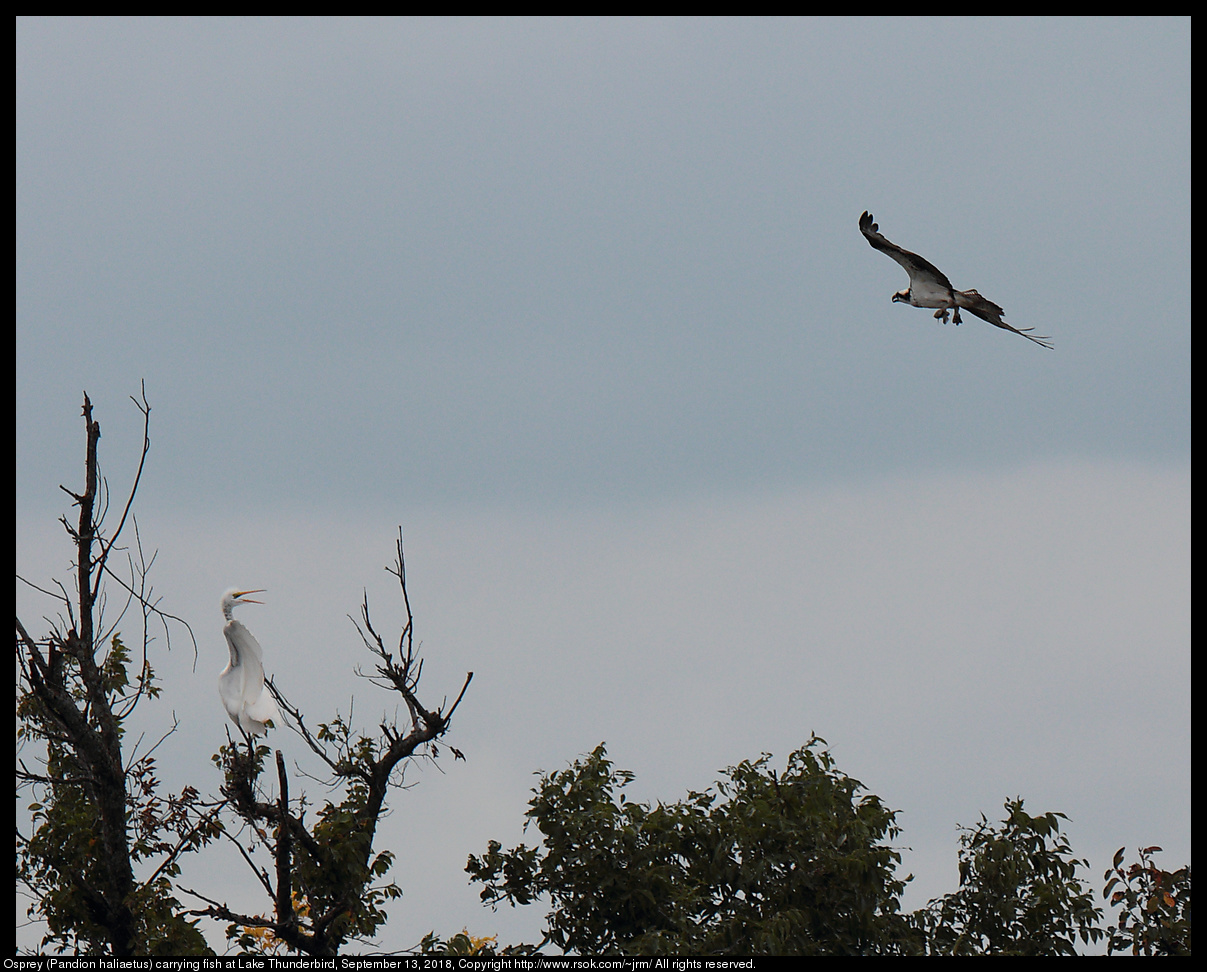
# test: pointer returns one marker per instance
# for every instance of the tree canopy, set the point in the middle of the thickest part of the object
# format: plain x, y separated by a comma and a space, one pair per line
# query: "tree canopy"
799, 862
1019, 892
764, 862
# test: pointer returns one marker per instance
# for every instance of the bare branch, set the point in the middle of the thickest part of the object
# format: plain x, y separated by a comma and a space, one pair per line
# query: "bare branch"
145, 408
298, 724
222, 912
42, 590
468, 678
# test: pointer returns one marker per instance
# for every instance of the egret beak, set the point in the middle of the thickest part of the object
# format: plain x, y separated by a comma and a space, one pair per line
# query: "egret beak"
242, 596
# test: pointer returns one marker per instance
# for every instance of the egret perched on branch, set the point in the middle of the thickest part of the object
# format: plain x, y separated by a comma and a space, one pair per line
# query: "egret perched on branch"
241, 683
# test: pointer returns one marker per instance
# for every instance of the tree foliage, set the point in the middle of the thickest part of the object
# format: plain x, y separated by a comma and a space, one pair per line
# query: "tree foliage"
1019, 892
96, 810
796, 862
1155, 915
801, 862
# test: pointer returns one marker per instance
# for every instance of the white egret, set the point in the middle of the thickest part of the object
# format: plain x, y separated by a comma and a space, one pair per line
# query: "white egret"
241, 684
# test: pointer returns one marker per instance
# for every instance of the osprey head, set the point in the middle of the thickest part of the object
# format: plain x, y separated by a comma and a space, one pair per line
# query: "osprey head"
902, 296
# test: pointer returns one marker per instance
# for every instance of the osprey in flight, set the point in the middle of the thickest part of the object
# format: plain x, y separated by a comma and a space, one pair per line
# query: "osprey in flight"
928, 287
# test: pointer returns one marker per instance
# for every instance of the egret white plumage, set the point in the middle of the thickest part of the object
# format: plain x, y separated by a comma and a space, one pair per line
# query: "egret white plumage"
241, 684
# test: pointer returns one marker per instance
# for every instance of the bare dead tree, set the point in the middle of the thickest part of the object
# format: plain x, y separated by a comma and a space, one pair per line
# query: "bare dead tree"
96, 810
323, 890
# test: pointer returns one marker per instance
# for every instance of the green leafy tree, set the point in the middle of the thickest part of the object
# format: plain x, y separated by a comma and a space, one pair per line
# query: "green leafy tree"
462, 943
97, 814
328, 885
797, 862
1019, 892
1155, 917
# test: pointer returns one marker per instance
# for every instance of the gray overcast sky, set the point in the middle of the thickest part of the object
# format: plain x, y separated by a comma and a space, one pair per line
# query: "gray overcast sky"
584, 306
